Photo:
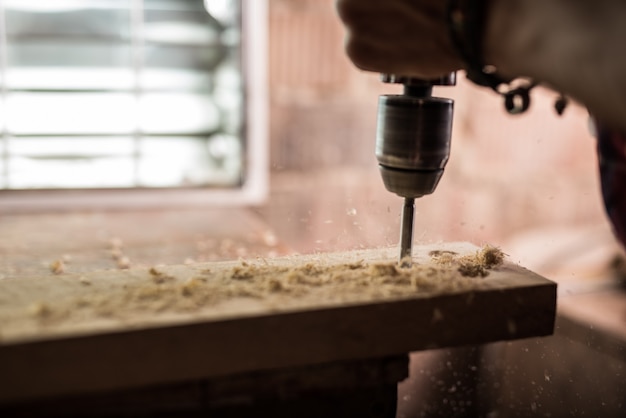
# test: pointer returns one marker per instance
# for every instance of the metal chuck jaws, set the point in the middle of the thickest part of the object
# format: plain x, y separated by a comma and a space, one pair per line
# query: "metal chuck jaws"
413, 144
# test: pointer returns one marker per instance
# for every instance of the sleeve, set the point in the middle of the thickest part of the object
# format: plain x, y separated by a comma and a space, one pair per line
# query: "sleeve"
612, 165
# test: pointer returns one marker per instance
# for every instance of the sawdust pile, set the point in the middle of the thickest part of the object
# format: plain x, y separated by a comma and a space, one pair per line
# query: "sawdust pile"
279, 286
473, 265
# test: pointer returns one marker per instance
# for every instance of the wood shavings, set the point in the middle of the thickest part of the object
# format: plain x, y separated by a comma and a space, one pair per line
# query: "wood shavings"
472, 265
406, 261
443, 257
57, 267
158, 276
123, 263
384, 270
161, 289
192, 285
40, 310
489, 256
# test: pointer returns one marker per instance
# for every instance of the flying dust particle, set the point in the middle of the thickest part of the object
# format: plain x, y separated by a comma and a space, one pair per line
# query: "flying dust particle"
57, 267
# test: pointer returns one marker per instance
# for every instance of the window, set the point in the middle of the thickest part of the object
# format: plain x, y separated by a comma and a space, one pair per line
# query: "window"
137, 99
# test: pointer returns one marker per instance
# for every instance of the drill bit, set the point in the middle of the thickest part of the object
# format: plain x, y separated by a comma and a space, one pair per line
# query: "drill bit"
406, 232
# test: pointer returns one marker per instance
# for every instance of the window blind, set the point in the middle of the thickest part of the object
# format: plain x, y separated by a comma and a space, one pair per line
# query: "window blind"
101, 94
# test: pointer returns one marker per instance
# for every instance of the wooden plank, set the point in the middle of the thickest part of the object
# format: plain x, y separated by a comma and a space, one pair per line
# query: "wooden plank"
112, 330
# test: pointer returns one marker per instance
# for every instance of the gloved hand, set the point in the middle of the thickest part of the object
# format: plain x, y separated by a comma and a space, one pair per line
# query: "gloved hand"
399, 36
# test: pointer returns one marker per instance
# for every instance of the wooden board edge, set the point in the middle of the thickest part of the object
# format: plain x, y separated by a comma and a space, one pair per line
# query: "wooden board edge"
171, 354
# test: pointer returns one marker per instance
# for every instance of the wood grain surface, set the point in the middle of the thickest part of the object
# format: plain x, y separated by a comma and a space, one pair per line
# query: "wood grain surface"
53, 341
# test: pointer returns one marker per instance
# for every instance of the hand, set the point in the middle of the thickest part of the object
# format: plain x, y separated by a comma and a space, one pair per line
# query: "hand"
406, 37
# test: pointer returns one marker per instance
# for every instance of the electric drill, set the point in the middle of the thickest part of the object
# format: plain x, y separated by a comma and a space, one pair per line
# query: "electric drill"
413, 144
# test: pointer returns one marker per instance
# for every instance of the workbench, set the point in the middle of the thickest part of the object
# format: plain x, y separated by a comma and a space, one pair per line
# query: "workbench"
317, 357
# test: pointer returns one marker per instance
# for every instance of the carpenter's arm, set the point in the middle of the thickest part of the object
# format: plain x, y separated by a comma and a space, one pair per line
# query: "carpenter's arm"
575, 46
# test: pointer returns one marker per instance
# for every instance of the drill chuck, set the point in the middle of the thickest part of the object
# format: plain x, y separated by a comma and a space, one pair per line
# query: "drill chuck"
413, 142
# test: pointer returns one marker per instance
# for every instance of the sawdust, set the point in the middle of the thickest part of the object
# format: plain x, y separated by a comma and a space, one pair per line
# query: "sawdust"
472, 265
276, 285
117, 254
57, 266
40, 310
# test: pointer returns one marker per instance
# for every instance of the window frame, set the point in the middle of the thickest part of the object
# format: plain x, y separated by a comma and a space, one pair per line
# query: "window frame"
255, 184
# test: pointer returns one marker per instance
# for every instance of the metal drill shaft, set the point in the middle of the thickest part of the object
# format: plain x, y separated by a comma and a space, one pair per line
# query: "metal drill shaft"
406, 231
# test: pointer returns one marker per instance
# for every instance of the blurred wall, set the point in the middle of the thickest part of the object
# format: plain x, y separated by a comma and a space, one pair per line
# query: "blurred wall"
506, 174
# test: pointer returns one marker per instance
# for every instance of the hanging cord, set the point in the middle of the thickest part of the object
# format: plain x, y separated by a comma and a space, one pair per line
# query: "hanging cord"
466, 25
